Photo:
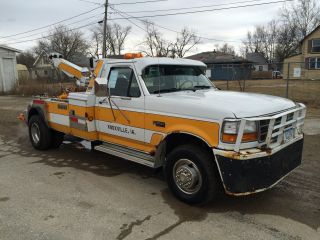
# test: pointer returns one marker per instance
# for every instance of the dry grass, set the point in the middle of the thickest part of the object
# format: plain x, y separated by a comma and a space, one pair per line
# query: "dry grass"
39, 87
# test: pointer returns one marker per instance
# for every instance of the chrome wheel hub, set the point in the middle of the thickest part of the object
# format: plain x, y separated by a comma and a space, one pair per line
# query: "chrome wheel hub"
187, 176
35, 133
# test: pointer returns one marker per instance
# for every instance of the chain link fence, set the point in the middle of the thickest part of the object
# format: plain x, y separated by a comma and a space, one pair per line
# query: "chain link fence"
295, 80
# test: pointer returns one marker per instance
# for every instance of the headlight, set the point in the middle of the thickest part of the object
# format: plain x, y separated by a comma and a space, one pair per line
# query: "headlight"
230, 130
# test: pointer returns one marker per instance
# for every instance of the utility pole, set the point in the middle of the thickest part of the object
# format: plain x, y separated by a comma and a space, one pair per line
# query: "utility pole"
104, 46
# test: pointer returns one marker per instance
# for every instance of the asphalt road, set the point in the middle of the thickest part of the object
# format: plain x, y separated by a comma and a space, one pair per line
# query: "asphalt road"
72, 193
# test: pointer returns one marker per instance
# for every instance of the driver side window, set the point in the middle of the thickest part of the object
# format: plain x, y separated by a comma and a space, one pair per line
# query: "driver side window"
122, 82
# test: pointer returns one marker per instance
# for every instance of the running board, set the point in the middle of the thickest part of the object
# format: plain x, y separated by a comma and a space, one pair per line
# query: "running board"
126, 153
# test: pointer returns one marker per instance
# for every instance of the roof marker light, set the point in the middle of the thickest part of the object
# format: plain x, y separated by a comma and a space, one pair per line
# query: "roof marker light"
133, 55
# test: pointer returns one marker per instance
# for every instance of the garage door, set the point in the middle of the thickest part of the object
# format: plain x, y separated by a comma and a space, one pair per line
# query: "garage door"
8, 74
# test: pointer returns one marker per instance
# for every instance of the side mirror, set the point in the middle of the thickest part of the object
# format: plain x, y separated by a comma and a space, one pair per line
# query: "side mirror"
100, 87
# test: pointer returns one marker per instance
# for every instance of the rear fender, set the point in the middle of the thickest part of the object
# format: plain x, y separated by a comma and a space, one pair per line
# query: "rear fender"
38, 109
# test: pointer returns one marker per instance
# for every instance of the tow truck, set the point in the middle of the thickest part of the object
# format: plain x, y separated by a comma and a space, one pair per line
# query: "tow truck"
165, 113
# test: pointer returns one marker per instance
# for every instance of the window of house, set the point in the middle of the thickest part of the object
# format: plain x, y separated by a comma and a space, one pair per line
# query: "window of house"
315, 45
45, 72
260, 68
122, 82
314, 63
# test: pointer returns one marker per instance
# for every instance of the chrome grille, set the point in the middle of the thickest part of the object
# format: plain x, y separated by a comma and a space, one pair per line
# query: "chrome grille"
272, 128
263, 126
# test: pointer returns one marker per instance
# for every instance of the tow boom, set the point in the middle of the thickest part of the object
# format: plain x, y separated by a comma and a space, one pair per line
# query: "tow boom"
82, 74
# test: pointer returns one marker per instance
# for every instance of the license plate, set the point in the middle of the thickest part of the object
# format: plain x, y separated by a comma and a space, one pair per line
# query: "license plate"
288, 134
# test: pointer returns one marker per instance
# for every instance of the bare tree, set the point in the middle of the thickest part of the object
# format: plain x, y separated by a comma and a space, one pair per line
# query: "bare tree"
305, 16
225, 48
26, 58
96, 43
116, 36
281, 38
185, 41
263, 40
286, 42
63, 40
157, 46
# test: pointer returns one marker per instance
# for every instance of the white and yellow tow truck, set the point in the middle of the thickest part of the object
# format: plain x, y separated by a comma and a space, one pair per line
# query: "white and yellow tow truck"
163, 112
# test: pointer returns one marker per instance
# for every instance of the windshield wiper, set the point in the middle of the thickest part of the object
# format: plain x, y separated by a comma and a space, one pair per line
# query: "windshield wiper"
195, 88
166, 90
201, 87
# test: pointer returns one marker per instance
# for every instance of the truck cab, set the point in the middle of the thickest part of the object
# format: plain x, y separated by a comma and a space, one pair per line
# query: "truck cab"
164, 113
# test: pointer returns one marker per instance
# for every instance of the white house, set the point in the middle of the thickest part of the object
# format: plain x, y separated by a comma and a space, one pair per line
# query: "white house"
8, 70
259, 62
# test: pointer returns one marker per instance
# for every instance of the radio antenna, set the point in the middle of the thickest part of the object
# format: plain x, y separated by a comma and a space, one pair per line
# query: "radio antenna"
159, 82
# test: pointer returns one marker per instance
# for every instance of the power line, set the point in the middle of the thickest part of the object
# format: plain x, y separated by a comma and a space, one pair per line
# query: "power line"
120, 13
32, 30
123, 3
129, 3
166, 28
35, 34
194, 7
101, 4
139, 17
50, 35
206, 10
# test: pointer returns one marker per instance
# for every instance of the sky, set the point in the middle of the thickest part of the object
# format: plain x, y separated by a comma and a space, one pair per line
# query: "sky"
224, 26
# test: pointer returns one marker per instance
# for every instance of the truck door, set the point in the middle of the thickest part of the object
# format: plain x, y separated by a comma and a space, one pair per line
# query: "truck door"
120, 117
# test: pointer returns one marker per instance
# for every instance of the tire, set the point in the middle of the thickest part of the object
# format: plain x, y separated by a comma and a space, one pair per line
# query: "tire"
197, 162
57, 139
40, 135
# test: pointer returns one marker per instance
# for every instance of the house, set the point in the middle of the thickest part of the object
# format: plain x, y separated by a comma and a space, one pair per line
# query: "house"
260, 63
8, 70
23, 73
223, 66
306, 64
43, 69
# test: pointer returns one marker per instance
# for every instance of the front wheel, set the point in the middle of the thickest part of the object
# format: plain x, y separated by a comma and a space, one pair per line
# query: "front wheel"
191, 174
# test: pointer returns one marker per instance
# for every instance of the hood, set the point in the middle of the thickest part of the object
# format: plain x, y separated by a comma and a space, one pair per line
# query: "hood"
214, 104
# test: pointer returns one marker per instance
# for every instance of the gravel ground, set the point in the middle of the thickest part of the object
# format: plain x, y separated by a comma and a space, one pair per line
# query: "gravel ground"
72, 193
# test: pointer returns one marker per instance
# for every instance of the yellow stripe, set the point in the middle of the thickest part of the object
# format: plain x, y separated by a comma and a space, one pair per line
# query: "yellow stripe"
95, 72
74, 132
71, 70
53, 108
142, 146
209, 131
156, 139
104, 137
98, 67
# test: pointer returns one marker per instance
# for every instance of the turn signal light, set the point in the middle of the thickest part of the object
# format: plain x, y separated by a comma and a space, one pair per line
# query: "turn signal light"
232, 138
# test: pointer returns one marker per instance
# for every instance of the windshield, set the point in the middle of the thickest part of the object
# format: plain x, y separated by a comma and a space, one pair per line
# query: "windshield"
171, 78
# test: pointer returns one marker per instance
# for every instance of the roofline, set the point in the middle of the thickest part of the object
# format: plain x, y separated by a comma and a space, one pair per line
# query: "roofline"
10, 48
38, 58
310, 33
294, 55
